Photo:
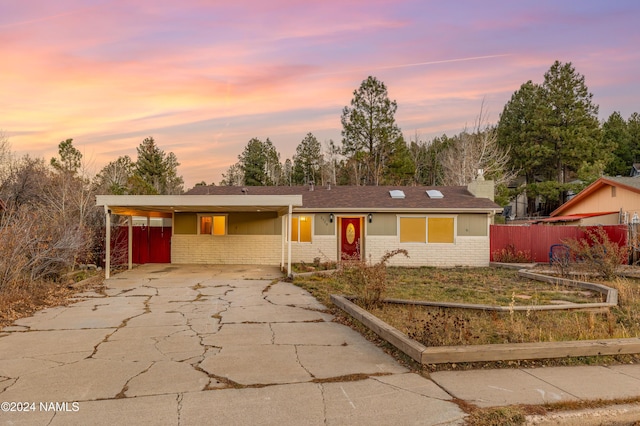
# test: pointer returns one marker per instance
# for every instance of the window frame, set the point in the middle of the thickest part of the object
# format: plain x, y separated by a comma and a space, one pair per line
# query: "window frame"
426, 224
296, 218
213, 216
424, 218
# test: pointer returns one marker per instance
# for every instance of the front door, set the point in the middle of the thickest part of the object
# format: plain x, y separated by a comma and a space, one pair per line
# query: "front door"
351, 238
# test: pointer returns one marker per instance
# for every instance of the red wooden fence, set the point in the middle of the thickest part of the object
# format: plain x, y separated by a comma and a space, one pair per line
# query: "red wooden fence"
150, 245
538, 239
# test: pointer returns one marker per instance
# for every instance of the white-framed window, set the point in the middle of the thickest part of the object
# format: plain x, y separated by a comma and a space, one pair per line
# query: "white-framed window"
212, 224
301, 227
426, 229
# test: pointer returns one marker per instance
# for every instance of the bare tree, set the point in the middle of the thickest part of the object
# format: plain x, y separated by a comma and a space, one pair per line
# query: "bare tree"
234, 176
473, 150
6, 158
330, 162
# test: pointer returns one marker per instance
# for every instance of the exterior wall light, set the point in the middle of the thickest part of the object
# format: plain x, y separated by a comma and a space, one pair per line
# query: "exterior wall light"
370, 217
330, 217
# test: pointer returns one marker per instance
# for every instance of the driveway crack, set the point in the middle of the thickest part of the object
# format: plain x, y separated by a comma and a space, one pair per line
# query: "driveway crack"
122, 325
179, 401
8, 379
125, 388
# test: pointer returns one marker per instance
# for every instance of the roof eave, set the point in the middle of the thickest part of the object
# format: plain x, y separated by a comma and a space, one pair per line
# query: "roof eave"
397, 210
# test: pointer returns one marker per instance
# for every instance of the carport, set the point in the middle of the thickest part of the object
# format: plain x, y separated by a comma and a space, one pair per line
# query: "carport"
167, 206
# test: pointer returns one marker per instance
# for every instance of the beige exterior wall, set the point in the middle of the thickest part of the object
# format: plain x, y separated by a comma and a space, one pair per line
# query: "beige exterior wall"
383, 224
472, 225
185, 223
322, 224
267, 223
267, 249
603, 200
227, 249
322, 246
609, 219
466, 251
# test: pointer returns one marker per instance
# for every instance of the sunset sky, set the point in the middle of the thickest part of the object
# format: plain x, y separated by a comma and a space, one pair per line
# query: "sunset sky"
203, 77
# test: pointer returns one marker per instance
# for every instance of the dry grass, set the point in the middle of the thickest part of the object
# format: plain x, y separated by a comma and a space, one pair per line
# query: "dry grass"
437, 326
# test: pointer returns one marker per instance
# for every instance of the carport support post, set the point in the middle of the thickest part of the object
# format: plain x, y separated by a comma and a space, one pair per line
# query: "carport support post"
282, 241
107, 237
130, 247
289, 240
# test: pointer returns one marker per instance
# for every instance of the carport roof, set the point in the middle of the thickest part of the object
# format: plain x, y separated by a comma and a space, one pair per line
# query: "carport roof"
165, 205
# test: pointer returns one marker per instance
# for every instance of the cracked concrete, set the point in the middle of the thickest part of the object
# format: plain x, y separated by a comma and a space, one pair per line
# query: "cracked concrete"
187, 345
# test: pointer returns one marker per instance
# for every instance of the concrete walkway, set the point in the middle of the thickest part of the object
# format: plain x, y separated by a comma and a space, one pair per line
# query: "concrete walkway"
193, 345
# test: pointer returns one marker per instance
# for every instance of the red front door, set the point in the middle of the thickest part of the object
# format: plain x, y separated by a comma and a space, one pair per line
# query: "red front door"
351, 238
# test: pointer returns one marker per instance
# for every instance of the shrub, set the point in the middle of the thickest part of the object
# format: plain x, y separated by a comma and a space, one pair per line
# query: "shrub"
368, 281
597, 252
510, 254
35, 246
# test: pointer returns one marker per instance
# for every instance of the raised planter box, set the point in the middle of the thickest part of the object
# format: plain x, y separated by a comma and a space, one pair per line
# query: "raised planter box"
474, 353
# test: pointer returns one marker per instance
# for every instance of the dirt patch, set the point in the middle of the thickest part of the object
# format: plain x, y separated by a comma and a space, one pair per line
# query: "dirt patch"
16, 303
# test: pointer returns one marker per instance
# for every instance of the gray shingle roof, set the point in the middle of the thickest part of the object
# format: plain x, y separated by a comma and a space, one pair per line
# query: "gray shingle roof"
362, 197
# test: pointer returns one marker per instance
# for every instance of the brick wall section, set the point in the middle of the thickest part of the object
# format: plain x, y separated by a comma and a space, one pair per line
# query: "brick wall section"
466, 251
227, 249
322, 246
266, 250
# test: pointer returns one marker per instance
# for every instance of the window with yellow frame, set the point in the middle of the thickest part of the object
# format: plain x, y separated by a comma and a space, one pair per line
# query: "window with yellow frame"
301, 229
212, 224
430, 230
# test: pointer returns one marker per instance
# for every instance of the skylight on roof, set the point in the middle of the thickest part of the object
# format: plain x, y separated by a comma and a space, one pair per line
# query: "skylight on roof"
434, 193
396, 193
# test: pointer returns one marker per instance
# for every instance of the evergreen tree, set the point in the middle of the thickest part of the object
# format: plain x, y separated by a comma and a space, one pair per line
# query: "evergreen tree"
260, 163
570, 124
553, 134
519, 131
369, 131
616, 135
399, 166
155, 171
633, 127
307, 161
70, 158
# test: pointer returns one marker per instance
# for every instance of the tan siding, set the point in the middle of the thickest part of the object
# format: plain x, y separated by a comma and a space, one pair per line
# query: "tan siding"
383, 224
602, 201
609, 219
258, 223
472, 225
185, 223
323, 226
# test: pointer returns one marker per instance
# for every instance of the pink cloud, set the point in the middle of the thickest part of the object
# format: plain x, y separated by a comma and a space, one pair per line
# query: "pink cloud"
204, 77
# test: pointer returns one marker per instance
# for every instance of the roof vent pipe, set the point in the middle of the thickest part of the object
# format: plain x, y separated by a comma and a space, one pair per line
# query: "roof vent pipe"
310, 185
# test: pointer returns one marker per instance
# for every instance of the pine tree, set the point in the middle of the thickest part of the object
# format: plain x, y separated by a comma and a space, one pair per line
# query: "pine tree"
369, 131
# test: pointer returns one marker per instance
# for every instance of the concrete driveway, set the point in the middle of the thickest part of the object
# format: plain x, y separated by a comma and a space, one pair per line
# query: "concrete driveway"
193, 345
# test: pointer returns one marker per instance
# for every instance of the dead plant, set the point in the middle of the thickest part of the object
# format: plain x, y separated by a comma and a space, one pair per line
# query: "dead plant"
368, 281
597, 253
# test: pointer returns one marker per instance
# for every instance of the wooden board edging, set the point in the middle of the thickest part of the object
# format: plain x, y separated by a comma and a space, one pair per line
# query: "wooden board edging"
541, 350
381, 328
497, 308
482, 353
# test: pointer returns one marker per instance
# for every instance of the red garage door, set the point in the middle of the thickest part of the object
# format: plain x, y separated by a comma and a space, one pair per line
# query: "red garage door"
151, 244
